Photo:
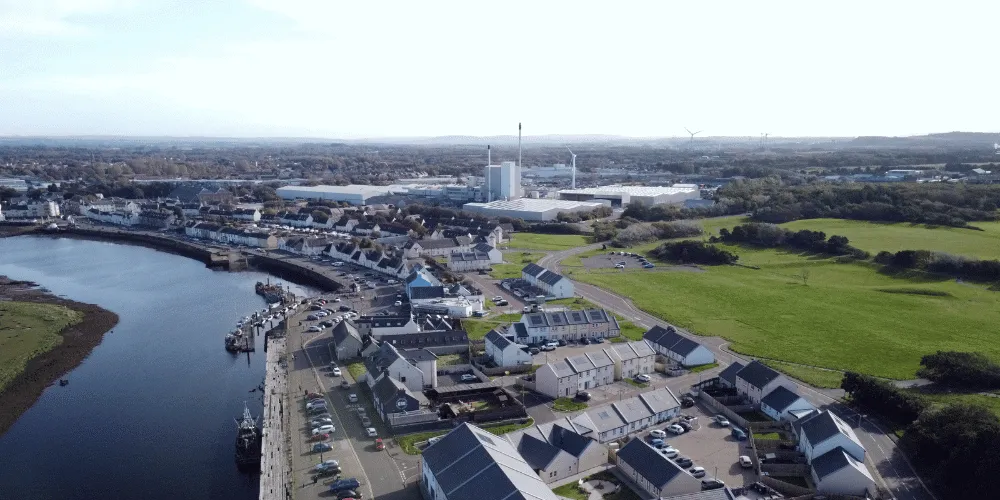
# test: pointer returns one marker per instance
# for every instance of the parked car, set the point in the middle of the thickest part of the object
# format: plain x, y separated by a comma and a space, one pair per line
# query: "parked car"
336, 299
314, 395
397, 303
533, 350
712, 484
657, 443
468, 377
739, 434
583, 396
344, 384
676, 429
345, 494
548, 347
344, 308
345, 484
669, 451
319, 437
323, 429
326, 463
552, 343
313, 329
336, 371
687, 402
684, 462
584, 341
318, 447
352, 398
561, 342
657, 433
526, 309
312, 317
619, 266
642, 377
365, 421
316, 422
722, 420
371, 432
745, 462
698, 471
685, 425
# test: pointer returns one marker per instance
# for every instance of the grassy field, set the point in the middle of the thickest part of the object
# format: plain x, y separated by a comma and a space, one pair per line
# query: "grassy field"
515, 261
993, 403
409, 442
568, 404
815, 377
875, 237
842, 319
704, 367
547, 242
27, 330
630, 330
356, 370
478, 328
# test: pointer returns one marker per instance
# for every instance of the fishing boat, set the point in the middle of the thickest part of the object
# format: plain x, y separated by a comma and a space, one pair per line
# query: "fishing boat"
248, 442
271, 292
233, 341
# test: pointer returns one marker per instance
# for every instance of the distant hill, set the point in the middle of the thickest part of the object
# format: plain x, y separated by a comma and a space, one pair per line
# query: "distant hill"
948, 139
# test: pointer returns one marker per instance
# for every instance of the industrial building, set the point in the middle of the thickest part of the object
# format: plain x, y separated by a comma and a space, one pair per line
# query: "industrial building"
502, 182
531, 209
621, 196
355, 194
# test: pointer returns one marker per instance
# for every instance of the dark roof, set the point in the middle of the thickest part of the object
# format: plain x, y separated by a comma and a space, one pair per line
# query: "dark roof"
830, 462
550, 278
568, 441
437, 338
437, 244
649, 463
536, 452
381, 359
822, 426
416, 355
520, 330
185, 194
665, 337
389, 321
533, 269
344, 330
780, 398
497, 339
729, 374
758, 374
388, 389
685, 346
483, 247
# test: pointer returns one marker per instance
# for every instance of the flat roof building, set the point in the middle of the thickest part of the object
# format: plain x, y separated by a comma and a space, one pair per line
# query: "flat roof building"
356, 194
532, 209
621, 196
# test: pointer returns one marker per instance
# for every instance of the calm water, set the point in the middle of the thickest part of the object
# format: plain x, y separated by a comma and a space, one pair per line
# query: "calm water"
150, 413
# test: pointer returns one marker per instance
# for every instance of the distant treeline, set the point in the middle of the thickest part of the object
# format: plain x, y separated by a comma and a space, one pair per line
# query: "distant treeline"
694, 252
639, 233
772, 236
938, 262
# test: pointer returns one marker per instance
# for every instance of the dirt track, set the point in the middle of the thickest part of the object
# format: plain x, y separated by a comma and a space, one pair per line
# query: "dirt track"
44, 370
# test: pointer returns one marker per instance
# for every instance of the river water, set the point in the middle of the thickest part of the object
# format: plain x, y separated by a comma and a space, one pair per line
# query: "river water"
149, 414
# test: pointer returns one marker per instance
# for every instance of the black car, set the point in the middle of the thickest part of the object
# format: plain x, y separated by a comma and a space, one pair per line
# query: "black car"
687, 402
344, 308
584, 341
684, 462
685, 425
561, 342
348, 494
533, 350
712, 484
583, 396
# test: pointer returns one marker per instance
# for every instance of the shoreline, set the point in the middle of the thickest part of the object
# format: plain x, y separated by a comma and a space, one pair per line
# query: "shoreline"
79, 340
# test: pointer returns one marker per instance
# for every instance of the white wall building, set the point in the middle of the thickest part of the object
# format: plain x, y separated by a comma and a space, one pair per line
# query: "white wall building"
355, 194
505, 352
632, 358
756, 380
531, 209
554, 284
678, 348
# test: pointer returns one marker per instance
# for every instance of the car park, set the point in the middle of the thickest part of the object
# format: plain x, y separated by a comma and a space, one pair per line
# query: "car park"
657, 433
698, 471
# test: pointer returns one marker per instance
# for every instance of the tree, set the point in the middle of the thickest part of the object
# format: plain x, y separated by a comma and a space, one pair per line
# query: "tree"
967, 370
805, 276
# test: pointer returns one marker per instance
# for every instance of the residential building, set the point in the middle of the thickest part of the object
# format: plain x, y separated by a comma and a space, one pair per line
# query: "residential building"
381, 326
612, 422
678, 348
247, 214
632, 358
556, 451
836, 472
468, 261
756, 380
782, 404
727, 378
33, 209
433, 248
421, 277
553, 284
444, 341
568, 325
347, 342
391, 396
576, 373
366, 228
156, 219
296, 220
496, 256
469, 463
652, 471
822, 432
504, 352
415, 368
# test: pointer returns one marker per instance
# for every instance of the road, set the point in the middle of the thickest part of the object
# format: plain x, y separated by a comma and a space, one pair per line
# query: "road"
894, 471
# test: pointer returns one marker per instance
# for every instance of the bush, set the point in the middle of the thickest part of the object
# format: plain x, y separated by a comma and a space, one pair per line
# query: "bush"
773, 236
641, 233
967, 370
883, 398
694, 252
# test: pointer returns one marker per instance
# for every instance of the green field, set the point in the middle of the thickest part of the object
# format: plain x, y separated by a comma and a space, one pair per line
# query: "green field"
568, 404
816, 377
28, 329
478, 328
547, 242
409, 442
875, 237
991, 402
842, 319
514, 263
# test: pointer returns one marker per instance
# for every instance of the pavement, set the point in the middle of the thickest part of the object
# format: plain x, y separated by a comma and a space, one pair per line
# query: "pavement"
894, 472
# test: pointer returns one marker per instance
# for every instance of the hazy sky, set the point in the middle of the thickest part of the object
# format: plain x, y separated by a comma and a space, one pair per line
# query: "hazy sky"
368, 68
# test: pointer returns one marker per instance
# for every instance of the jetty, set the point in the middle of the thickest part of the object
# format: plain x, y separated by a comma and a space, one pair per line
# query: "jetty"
275, 466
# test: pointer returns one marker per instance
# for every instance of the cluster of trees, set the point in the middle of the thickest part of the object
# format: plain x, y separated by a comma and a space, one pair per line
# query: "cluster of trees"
573, 217
956, 448
635, 234
966, 370
882, 397
694, 252
641, 212
772, 236
938, 262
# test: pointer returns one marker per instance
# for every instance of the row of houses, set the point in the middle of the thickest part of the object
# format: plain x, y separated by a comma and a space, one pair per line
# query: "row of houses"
566, 377
678, 349
545, 326
31, 209
553, 284
231, 235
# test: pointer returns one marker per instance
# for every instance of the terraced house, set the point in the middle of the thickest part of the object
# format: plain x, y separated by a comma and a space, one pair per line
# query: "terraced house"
567, 325
577, 373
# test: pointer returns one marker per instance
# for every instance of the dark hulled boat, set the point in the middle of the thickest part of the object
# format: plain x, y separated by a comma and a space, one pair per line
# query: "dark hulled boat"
248, 442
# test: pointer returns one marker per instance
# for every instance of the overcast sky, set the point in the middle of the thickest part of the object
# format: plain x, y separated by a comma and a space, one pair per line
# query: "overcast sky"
352, 69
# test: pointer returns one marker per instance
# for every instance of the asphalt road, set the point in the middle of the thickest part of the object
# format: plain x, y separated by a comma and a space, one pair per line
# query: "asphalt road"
893, 470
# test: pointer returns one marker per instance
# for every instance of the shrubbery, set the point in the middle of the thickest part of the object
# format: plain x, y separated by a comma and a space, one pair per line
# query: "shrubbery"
938, 262
644, 232
694, 252
882, 397
966, 370
772, 236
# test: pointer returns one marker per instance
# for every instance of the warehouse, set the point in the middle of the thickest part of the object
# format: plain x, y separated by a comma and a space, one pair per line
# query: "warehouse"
621, 196
531, 209
355, 194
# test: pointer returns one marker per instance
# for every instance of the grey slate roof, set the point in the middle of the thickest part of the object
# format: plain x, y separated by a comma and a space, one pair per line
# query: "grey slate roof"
539, 454
632, 409
499, 341
520, 330
562, 368
437, 244
605, 418
426, 292
758, 374
660, 400
729, 374
830, 462
426, 338
649, 463
822, 426
780, 398
468, 458
417, 355
344, 330
533, 269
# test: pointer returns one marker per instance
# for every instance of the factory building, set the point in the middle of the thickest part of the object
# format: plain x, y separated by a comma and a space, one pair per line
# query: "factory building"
621, 196
355, 194
502, 182
531, 209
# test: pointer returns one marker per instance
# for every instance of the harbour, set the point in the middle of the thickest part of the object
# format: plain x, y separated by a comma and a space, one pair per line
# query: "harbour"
162, 363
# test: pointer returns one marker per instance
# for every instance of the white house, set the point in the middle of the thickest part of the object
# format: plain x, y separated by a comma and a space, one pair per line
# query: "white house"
496, 256
781, 402
836, 472
505, 352
380, 326
587, 370
415, 368
247, 214
822, 432
652, 471
555, 285
567, 325
33, 209
347, 343
727, 378
557, 380
756, 380
296, 220
631, 358
469, 462
617, 420
556, 450
468, 261
680, 349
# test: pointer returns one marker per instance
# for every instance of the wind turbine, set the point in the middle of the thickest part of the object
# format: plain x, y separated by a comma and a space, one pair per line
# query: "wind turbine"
573, 185
693, 133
